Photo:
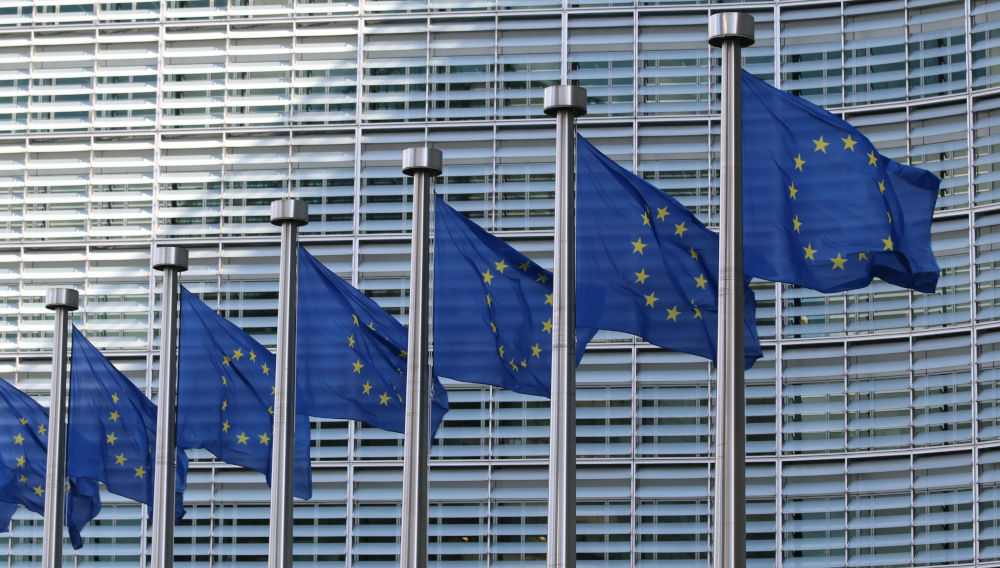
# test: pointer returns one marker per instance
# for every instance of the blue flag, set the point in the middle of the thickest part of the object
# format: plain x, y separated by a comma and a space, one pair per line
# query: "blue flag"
492, 309
225, 395
821, 207
111, 435
351, 354
645, 264
7, 510
23, 441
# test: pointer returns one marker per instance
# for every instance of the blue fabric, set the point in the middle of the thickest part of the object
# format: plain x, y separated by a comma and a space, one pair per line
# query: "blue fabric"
645, 264
821, 207
351, 354
492, 309
7, 511
225, 395
23, 441
112, 429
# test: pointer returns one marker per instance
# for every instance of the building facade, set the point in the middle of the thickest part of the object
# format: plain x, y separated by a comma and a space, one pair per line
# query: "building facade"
873, 420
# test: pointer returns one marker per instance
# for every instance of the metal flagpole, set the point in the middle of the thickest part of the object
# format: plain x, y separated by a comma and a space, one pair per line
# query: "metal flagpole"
172, 261
731, 31
565, 102
423, 164
289, 214
61, 301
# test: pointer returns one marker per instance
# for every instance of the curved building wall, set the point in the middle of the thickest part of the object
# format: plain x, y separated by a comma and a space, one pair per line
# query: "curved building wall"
873, 419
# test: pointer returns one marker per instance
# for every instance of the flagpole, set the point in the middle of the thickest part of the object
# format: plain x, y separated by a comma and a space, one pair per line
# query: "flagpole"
289, 214
61, 301
423, 164
172, 261
565, 102
731, 31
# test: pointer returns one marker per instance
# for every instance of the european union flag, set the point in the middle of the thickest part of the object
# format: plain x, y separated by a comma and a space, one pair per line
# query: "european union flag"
492, 309
225, 395
23, 442
351, 354
6, 509
821, 207
645, 264
111, 435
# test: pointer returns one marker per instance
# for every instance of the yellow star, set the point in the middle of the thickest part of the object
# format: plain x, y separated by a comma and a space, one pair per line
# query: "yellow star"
114, 398
487, 276
366, 388
679, 229
641, 276
542, 277
672, 313
810, 251
225, 359
265, 369
820, 145
645, 219
39, 491
889, 214
651, 299
513, 365
355, 318
23, 479
838, 261
21, 461
270, 409
242, 438
19, 439
383, 399
536, 351
524, 363
638, 245
113, 416
792, 190
700, 281
41, 429
225, 426
371, 325
849, 143
862, 256
694, 253
888, 242
264, 438
350, 341
224, 380
796, 224
547, 325
253, 356
237, 354
872, 160
548, 299
225, 404
272, 390
881, 187
525, 265
140, 472
661, 213
401, 354
799, 162
23, 421
400, 397
357, 366
111, 438
697, 312
120, 459
500, 351
501, 266
489, 300
493, 327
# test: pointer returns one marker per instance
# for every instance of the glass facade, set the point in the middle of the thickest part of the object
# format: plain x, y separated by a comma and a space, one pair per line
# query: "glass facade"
873, 420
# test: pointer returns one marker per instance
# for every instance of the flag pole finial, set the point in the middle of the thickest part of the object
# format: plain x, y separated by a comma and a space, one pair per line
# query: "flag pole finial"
735, 26
569, 98
422, 159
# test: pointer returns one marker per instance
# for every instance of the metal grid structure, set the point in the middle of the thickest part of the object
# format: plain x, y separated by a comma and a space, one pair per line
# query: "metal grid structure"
873, 419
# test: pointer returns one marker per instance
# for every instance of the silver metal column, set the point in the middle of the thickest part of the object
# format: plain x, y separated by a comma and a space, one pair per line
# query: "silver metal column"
172, 261
289, 214
565, 102
423, 164
731, 31
61, 301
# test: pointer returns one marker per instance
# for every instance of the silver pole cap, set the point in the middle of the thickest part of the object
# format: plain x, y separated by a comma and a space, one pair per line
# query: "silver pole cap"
170, 257
422, 159
565, 97
56, 298
730, 25
289, 211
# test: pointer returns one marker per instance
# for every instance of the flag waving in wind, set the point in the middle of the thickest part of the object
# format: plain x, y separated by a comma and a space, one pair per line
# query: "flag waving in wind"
492, 309
225, 395
821, 207
23, 443
645, 264
351, 354
111, 435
